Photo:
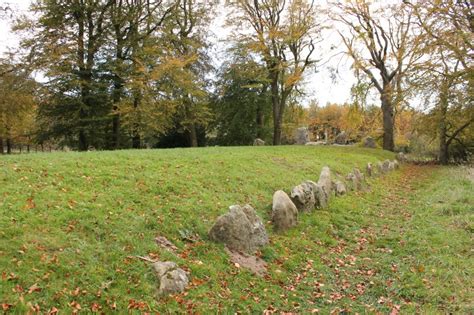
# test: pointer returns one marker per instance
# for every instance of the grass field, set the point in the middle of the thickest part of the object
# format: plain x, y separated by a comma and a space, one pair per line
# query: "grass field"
72, 224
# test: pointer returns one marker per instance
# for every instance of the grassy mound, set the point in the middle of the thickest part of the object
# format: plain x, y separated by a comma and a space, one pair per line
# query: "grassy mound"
72, 225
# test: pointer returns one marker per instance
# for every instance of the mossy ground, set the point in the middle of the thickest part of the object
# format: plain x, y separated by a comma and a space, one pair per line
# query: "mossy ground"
72, 225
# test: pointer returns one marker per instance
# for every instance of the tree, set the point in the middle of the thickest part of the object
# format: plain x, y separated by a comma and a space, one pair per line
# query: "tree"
133, 24
242, 106
379, 40
284, 36
17, 104
447, 75
66, 41
187, 35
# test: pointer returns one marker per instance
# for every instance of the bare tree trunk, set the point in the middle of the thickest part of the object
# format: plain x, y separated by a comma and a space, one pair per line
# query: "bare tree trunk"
276, 128
443, 154
276, 106
260, 121
2, 151
388, 119
193, 136
9, 146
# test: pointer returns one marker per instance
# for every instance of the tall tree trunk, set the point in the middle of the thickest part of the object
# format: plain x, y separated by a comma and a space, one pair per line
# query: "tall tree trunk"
276, 126
277, 110
136, 139
260, 121
443, 154
9, 145
83, 145
2, 151
388, 119
193, 136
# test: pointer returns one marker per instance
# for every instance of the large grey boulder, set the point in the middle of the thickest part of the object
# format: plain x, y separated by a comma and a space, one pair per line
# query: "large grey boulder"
303, 197
258, 142
302, 135
171, 278
341, 138
369, 142
339, 188
240, 229
284, 211
320, 196
325, 181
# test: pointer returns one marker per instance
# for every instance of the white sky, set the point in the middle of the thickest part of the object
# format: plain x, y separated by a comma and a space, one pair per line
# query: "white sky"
319, 86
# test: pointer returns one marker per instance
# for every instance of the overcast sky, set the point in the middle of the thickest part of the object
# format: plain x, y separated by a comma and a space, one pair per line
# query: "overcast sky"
319, 85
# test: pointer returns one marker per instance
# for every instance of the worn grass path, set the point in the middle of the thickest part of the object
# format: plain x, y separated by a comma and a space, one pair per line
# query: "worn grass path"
409, 248
72, 223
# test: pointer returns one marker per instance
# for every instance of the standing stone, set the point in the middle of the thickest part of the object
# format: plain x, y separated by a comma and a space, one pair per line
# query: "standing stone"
396, 164
401, 157
284, 211
352, 182
303, 197
369, 170
358, 175
369, 142
341, 138
380, 168
302, 135
325, 181
172, 279
240, 229
320, 197
258, 142
386, 166
339, 188
391, 165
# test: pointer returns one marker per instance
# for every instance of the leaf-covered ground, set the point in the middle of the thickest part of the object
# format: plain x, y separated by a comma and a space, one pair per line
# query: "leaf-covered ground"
73, 224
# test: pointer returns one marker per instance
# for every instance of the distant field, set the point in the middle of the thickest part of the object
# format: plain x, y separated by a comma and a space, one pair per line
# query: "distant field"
71, 225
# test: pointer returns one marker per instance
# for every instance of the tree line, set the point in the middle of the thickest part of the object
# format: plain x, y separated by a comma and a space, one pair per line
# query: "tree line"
136, 73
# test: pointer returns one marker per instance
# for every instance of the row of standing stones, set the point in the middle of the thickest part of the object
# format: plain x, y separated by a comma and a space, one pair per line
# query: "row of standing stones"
242, 230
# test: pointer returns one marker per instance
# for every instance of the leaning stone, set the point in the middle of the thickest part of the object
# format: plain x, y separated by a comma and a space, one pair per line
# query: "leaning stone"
284, 211
303, 197
320, 197
339, 188
258, 142
369, 170
325, 181
172, 279
302, 135
240, 229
